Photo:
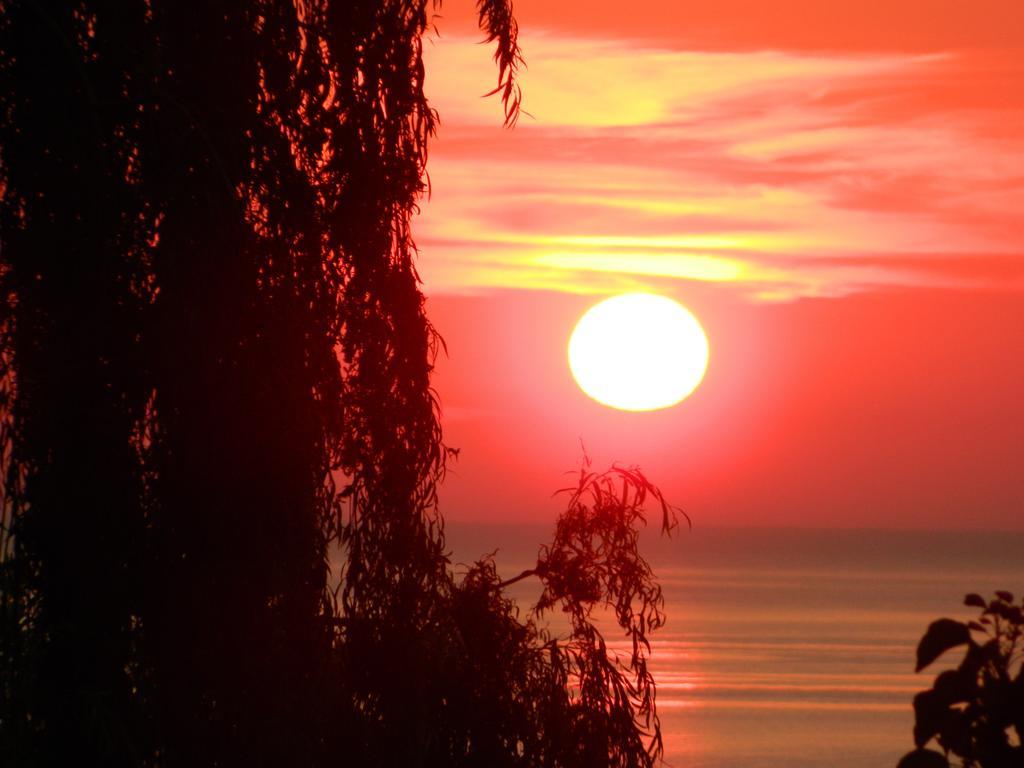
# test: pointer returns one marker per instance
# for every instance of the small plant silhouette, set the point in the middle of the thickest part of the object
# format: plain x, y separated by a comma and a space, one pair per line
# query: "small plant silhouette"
976, 710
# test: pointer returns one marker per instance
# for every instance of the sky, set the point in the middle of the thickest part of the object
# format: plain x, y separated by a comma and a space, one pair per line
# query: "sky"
833, 189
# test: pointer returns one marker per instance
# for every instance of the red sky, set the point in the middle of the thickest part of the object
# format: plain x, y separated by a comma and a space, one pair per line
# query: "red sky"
834, 189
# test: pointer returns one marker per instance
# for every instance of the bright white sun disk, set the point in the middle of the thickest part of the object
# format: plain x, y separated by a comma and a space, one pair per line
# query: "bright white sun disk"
638, 352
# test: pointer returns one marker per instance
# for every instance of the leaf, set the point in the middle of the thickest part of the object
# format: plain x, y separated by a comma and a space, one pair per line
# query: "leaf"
955, 735
940, 637
956, 685
974, 600
1006, 597
923, 758
980, 655
1002, 610
929, 713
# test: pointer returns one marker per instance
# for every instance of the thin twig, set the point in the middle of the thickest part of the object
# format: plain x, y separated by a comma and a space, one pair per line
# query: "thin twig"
524, 575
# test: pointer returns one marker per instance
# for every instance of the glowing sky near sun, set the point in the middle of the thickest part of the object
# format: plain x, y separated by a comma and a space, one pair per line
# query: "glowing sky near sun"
790, 172
858, 167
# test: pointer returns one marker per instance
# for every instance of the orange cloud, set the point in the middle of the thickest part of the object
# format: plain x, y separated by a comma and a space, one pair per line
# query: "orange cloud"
783, 174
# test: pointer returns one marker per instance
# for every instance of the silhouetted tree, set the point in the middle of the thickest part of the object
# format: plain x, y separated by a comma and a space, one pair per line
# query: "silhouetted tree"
215, 374
974, 711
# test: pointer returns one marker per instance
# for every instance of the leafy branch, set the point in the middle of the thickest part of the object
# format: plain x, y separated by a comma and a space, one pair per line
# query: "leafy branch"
974, 711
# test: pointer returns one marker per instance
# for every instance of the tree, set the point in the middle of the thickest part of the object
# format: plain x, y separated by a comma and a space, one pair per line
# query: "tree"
972, 709
215, 373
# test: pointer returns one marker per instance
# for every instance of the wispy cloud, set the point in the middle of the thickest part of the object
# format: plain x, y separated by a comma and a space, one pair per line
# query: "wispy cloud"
782, 174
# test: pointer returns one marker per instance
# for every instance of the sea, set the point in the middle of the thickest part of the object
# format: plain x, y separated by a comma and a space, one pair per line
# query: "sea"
789, 648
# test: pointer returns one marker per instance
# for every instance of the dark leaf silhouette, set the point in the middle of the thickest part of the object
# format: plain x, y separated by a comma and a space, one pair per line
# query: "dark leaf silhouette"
929, 713
976, 710
942, 635
923, 758
956, 685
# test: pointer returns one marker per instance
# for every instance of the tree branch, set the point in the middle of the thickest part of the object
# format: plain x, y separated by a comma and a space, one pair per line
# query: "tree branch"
524, 575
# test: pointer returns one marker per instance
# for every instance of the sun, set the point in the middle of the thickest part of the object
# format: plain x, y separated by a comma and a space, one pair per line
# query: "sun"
638, 352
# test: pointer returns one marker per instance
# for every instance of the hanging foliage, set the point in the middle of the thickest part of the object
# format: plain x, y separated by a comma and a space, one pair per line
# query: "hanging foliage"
215, 378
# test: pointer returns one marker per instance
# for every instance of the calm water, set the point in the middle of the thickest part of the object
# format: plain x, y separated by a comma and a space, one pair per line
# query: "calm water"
789, 648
